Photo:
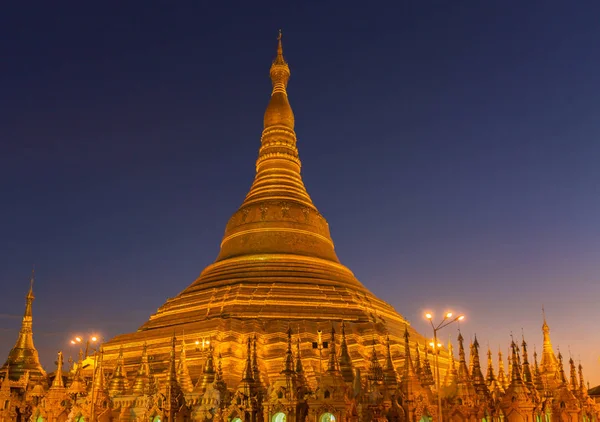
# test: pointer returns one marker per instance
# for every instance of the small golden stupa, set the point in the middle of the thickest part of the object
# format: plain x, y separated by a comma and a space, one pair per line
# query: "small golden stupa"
277, 268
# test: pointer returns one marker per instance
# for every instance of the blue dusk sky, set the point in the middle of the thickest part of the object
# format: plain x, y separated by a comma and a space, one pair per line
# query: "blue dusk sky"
452, 146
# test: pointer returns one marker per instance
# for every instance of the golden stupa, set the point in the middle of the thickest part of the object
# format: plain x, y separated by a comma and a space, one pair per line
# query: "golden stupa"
277, 268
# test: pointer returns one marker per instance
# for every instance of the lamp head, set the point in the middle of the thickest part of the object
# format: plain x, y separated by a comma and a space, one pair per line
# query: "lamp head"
428, 315
460, 318
449, 315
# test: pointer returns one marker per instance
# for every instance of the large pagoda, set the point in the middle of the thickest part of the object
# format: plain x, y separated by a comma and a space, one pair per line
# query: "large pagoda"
277, 268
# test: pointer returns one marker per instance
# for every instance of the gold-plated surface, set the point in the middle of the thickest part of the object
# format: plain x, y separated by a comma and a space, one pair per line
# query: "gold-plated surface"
277, 267
23, 357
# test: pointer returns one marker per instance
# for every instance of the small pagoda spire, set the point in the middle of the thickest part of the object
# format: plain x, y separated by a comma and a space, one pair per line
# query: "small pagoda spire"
248, 376
463, 371
451, 373
141, 384
573, 373
24, 356
476, 374
549, 363
427, 373
255, 367
515, 369
561, 370
502, 377
418, 366
77, 386
183, 373
173, 389
375, 370
99, 380
118, 382
58, 377
537, 377
299, 367
389, 373
333, 364
582, 390
490, 376
527, 375
409, 369
345, 359
288, 368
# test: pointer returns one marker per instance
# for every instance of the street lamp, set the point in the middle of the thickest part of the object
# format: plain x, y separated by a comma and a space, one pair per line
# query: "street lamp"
92, 339
436, 346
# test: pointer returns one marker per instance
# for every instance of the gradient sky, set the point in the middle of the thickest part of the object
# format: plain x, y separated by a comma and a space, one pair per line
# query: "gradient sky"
452, 146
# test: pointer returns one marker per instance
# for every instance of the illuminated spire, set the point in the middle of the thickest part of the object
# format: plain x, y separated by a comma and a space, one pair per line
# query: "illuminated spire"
183, 373
451, 373
515, 369
248, 377
582, 390
418, 366
333, 365
208, 373
427, 373
502, 378
527, 375
476, 374
375, 370
490, 377
141, 384
549, 363
24, 356
278, 202
409, 369
58, 376
463, 371
255, 367
345, 359
288, 368
573, 373
537, 377
561, 370
99, 379
118, 383
389, 372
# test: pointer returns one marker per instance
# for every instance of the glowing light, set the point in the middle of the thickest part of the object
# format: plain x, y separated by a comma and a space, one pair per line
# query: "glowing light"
78, 339
428, 315
207, 341
72, 341
94, 338
460, 318
197, 342
449, 315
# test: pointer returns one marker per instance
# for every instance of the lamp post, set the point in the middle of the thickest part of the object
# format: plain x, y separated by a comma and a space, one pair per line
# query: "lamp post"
92, 339
443, 323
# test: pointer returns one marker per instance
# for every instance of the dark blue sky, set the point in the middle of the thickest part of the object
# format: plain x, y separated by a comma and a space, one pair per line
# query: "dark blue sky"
452, 146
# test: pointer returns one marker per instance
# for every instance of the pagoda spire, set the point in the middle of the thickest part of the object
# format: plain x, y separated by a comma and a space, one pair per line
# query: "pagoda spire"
463, 370
502, 377
183, 373
418, 367
561, 370
248, 376
389, 372
476, 374
345, 359
255, 367
549, 363
527, 375
537, 377
451, 373
582, 389
58, 376
375, 370
278, 201
208, 373
573, 374
427, 373
288, 368
173, 389
333, 364
490, 376
118, 383
515, 369
24, 356
141, 384
409, 368
99, 379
